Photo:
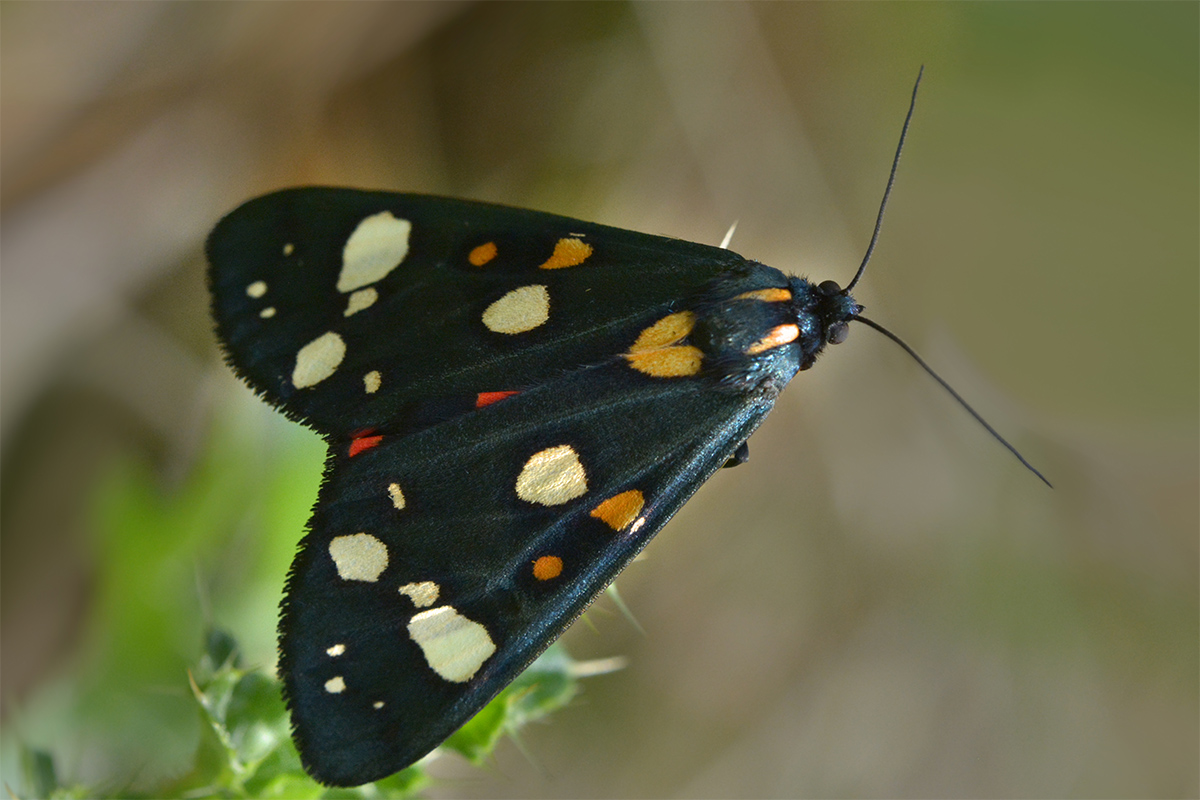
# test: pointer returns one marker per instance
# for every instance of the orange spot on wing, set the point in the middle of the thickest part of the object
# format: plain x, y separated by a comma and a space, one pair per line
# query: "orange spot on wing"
667, 331
620, 510
360, 443
547, 568
487, 398
568, 253
766, 295
482, 254
669, 362
779, 335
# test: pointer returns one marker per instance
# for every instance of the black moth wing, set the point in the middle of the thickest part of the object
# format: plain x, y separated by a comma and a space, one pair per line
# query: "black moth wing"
440, 564
348, 308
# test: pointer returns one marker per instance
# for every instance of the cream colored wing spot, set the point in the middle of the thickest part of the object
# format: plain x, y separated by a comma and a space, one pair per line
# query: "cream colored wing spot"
372, 381
378, 704
289, 248
423, 594
522, 309
267, 312
359, 557
318, 359
256, 289
397, 496
335, 651
568, 252
620, 510
335, 685
378, 245
454, 647
363, 298
552, 477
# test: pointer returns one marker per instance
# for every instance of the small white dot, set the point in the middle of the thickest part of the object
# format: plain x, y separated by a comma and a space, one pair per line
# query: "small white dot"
289, 248
372, 381
318, 359
377, 704
335, 685
397, 496
256, 289
336, 650
267, 312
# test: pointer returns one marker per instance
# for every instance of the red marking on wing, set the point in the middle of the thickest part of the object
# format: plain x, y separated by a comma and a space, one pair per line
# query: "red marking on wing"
487, 398
360, 443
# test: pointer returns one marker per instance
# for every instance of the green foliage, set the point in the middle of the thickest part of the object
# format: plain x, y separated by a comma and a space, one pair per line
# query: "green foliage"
154, 707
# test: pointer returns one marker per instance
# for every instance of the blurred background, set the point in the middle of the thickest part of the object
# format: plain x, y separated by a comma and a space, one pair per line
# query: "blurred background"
881, 603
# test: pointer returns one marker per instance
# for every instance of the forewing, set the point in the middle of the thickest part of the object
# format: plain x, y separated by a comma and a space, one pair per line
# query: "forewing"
345, 307
439, 564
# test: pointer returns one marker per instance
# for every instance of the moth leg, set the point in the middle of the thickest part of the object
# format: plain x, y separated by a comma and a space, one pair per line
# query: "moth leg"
740, 456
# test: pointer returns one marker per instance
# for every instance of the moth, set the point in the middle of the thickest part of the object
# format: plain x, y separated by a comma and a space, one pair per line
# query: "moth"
515, 403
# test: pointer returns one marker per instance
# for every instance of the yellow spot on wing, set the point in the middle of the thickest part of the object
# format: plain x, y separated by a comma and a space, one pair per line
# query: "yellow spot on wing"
667, 331
620, 509
397, 496
378, 245
318, 359
256, 289
522, 309
267, 312
335, 685
363, 298
454, 647
289, 248
766, 295
336, 650
359, 557
372, 381
482, 254
568, 252
377, 704
552, 477
669, 362
779, 335
423, 594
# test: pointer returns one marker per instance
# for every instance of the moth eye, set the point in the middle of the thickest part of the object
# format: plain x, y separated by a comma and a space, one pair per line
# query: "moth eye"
838, 332
829, 288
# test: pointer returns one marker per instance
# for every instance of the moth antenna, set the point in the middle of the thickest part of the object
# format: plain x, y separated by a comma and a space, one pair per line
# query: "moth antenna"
954, 394
728, 236
912, 105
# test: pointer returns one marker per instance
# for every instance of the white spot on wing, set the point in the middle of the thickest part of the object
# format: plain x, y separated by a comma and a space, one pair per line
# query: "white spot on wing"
377, 704
336, 650
335, 685
360, 557
372, 381
363, 298
522, 309
552, 476
267, 312
256, 289
454, 646
423, 594
318, 359
289, 248
377, 246
397, 496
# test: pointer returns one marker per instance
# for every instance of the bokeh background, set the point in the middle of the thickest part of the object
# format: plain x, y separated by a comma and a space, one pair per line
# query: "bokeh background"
881, 603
